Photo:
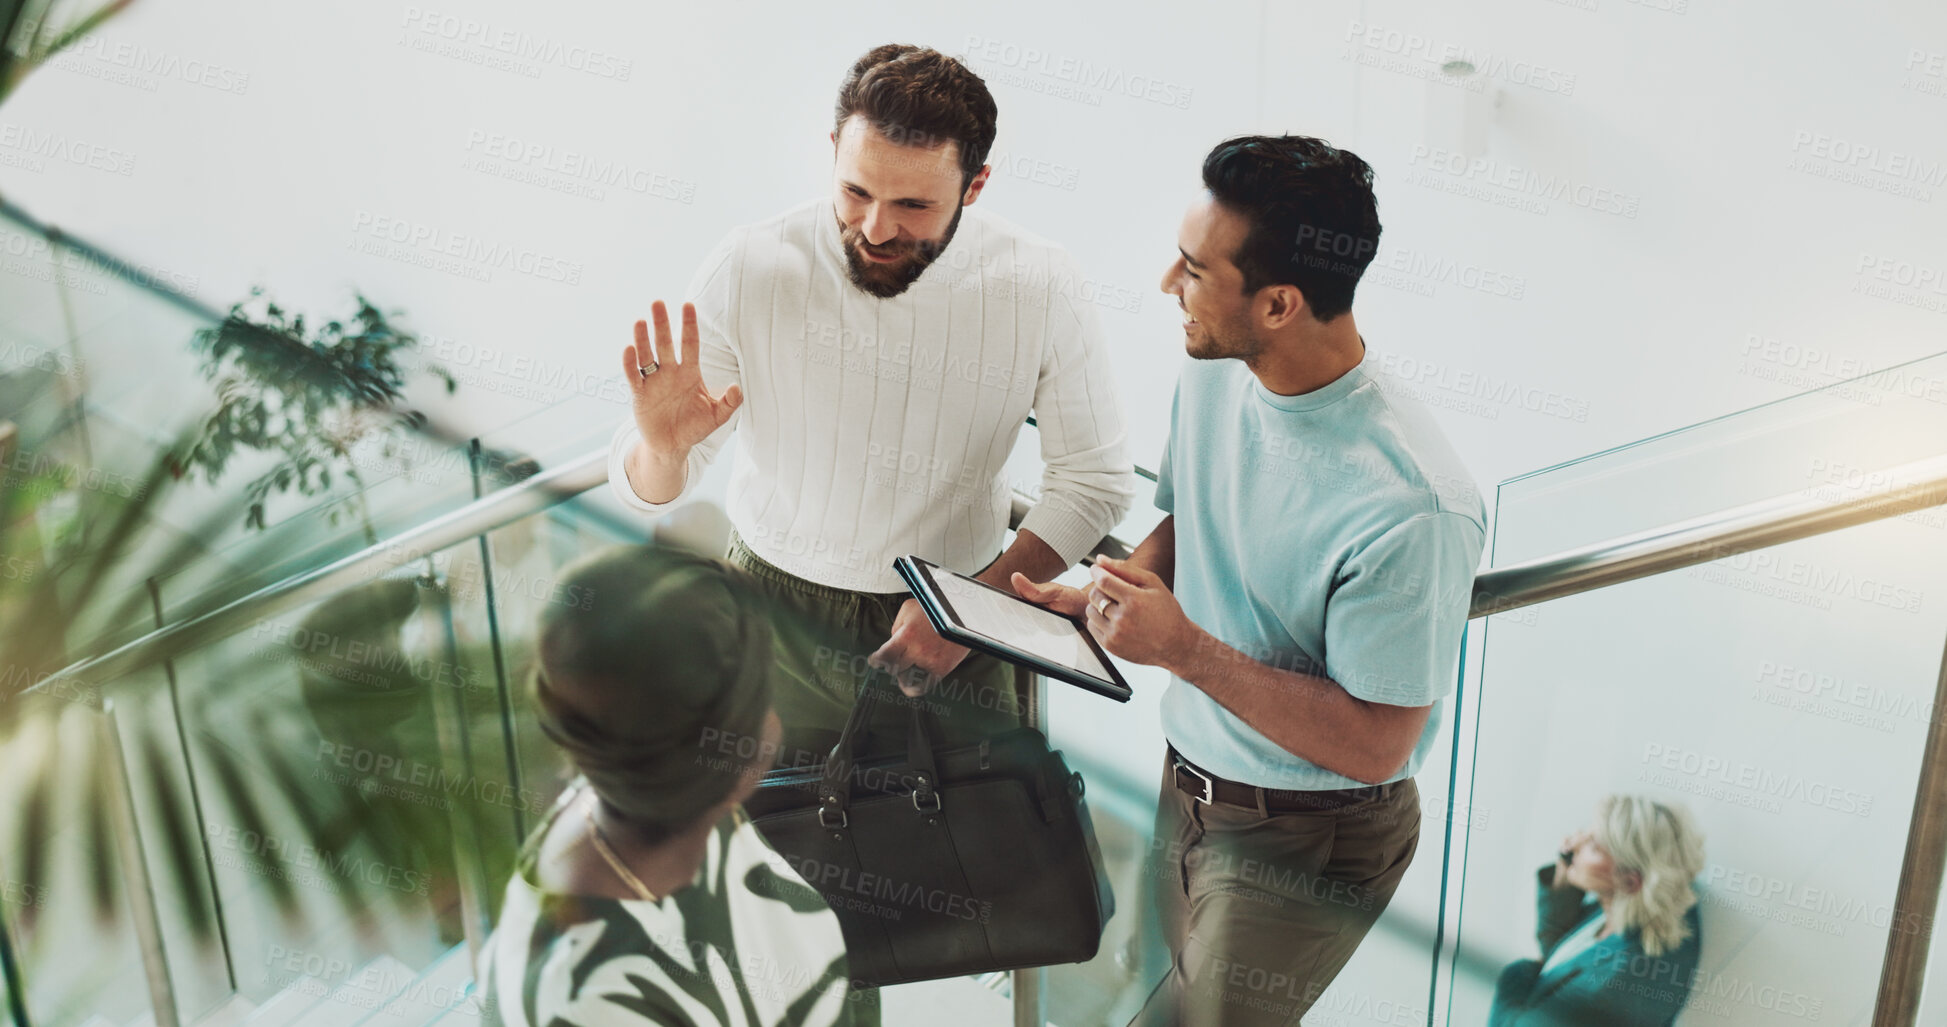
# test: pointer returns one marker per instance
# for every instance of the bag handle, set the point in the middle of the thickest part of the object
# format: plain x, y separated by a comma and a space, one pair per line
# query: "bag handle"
835, 790
919, 756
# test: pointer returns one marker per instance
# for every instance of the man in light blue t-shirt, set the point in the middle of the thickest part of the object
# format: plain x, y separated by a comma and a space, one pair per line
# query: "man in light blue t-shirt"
1307, 593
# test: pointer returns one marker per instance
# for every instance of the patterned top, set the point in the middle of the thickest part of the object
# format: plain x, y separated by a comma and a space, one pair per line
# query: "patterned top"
747, 944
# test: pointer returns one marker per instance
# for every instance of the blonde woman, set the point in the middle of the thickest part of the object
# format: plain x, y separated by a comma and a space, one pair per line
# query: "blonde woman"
1616, 916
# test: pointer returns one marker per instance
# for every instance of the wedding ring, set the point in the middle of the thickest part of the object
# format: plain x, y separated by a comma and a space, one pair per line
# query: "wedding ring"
1102, 605
647, 371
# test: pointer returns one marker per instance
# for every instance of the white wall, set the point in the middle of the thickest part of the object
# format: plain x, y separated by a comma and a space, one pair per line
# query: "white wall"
1734, 270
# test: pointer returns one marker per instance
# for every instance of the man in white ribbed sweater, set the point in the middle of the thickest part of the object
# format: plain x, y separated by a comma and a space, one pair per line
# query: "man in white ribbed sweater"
879, 350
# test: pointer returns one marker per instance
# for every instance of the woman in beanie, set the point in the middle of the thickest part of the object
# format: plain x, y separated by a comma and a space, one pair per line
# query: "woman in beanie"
646, 897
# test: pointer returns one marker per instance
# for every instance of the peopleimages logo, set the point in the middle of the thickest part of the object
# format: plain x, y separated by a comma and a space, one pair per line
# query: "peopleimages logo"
1074, 71
132, 64
1819, 902
469, 256
1757, 782
573, 167
1867, 166
1902, 272
269, 855
516, 44
61, 147
1906, 282
1859, 695
1815, 579
1440, 270
1526, 181
1867, 157
1413, 47
1926, 72
833, 878
1433, 374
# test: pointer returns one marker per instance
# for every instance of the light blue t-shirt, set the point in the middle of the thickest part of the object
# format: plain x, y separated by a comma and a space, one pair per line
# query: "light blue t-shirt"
1333, 533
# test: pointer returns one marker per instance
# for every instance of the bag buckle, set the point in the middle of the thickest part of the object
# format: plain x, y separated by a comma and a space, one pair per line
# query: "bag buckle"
1208, 793
923, 786
843, 820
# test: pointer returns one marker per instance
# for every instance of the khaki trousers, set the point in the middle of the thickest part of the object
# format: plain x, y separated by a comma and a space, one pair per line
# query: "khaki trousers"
1262, 912
823, 636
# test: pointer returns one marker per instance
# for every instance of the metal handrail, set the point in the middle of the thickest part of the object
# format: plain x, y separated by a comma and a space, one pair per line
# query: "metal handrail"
1671, 547
483, 515
1739, 529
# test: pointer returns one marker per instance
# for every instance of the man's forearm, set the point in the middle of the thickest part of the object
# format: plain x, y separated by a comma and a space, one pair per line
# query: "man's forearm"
1029, 555
1311, 717
1157, 553
656, 477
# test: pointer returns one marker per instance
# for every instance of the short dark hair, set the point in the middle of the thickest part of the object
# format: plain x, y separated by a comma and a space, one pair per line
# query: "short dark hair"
1314, 221
917, 96
657, 653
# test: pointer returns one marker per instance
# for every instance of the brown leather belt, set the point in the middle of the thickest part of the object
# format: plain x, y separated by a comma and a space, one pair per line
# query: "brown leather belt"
1207, 788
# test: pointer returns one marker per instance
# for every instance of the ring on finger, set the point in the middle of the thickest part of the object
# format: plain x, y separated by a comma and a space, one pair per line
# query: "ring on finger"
648, 370
1102, 604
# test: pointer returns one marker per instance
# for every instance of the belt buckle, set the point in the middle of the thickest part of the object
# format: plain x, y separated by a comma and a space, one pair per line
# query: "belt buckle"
1208, 792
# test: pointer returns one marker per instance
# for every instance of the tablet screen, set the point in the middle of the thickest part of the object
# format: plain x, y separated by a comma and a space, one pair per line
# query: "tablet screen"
1018, 623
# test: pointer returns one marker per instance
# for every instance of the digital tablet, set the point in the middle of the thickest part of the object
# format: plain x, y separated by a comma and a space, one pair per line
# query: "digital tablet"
979, 616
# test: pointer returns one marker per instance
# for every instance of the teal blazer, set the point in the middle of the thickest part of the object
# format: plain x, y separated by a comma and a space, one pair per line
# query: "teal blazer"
1612, 983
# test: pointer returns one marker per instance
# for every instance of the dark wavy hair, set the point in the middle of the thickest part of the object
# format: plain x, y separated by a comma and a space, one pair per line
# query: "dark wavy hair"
1314, 221
668, 651
916, 96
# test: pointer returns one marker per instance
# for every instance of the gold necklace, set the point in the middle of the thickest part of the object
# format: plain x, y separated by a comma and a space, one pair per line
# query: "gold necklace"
600, 842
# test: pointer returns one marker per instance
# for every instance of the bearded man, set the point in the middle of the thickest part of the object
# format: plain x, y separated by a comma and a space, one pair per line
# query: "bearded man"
878, 351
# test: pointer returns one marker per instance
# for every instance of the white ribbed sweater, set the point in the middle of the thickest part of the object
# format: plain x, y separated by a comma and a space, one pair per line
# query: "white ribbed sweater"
874, 428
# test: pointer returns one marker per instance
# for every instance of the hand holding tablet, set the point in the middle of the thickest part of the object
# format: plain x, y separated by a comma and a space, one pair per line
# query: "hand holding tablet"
979, 616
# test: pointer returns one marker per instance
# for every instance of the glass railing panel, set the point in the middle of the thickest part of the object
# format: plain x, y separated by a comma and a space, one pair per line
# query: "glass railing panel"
565, 431
1781, 697
523, 571
108, 334
390, 500
333, 791
175, 843
1836, 630
62, 886
98, 369
31, 319
505, 590
418, 479
129, 343
1118, 748
1834, 443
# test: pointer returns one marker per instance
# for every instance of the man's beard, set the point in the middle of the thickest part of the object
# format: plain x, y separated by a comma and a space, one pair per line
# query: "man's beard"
888, 280
1239, 345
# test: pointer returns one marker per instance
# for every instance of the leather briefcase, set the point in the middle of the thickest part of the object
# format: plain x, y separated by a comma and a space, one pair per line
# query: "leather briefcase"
944, 862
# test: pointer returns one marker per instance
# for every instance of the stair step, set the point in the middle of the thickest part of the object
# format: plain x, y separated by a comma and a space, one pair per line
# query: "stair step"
358, 996
466, 1014
232, 1012
291, 1002
435, 992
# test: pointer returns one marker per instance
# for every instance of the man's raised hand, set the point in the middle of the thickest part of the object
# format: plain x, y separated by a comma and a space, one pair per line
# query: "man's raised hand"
673, 409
